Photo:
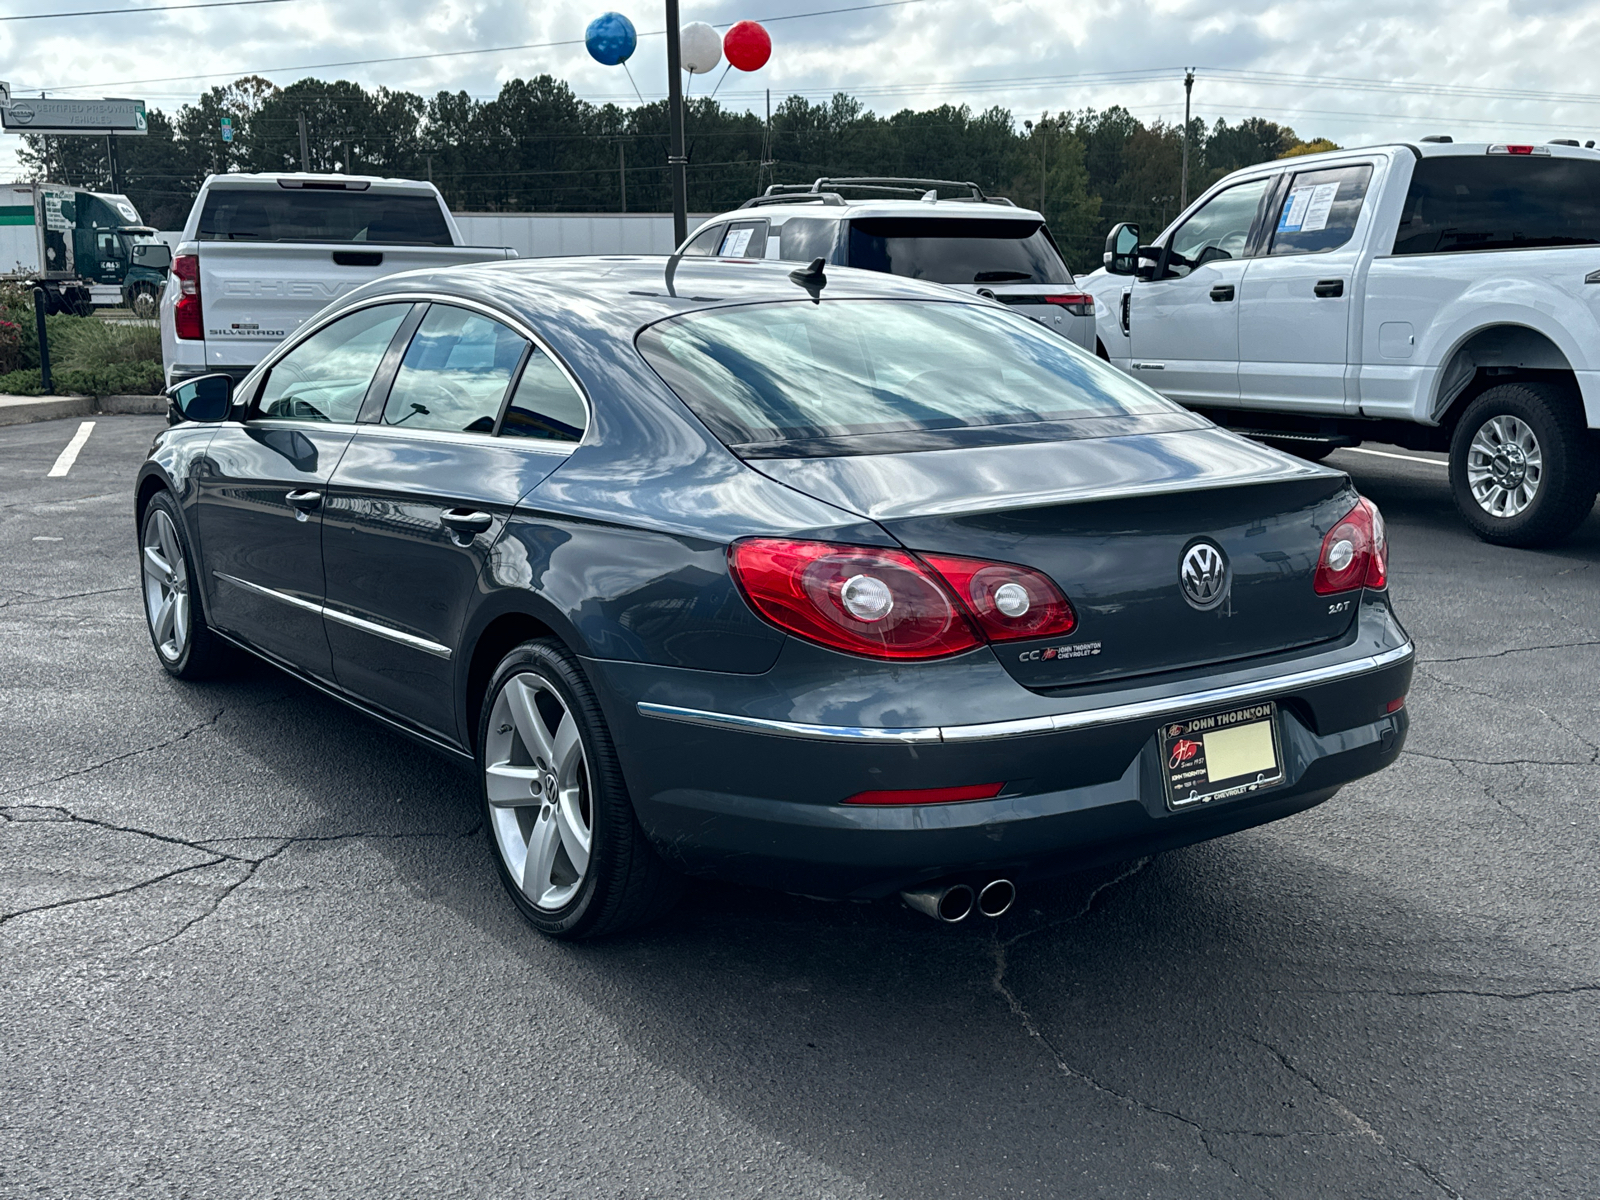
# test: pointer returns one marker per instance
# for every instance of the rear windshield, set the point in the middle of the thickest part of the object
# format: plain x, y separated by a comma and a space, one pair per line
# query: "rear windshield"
1500, 202
295, 215
764, 374
950, 250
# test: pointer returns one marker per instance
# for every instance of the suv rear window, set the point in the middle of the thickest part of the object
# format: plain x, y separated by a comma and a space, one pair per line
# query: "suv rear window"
953, 250
293, 215
1500, 202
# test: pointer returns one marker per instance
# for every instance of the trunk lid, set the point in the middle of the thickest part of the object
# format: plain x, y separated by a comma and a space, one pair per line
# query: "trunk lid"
1111, 520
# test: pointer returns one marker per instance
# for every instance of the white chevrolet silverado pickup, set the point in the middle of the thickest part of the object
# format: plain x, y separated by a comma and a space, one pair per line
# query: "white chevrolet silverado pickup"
260, 254
1440, 296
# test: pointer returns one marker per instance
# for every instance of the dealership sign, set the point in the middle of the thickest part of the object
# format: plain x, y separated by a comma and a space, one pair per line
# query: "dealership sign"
125, 118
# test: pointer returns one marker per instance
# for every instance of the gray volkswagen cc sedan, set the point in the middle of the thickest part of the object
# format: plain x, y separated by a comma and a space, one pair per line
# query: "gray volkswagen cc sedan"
816, 579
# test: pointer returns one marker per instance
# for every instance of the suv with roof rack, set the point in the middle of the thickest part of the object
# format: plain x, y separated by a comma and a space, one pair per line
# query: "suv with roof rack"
970, 241
1438, 296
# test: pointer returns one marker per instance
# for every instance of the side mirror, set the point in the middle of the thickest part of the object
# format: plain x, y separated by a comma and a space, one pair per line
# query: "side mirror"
1122, 247
205, 398
155, 255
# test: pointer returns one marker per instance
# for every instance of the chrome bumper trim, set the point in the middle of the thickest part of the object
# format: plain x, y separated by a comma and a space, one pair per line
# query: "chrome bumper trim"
1188, 702
343, 618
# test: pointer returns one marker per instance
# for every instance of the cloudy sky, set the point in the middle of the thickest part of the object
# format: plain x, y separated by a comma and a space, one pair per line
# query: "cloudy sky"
1353, 70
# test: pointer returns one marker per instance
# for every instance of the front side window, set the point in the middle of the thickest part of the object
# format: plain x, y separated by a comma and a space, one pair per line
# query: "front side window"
300, 215
325, 377
455, 373
1219, 230
1320, 209
1500, 202
704, 244
948, 250
796, 371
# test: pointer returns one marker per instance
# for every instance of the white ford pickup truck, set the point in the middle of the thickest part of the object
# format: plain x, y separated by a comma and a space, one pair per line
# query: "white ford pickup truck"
1441, 296
260, 254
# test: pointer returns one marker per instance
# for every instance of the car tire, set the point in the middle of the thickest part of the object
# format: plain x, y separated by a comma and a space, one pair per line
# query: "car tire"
1523, 466
1310, 451
145, 303
545, 788
183, 641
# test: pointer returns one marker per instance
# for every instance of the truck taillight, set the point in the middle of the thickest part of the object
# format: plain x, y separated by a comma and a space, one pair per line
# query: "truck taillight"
186, 319
1515, 149
1355, 553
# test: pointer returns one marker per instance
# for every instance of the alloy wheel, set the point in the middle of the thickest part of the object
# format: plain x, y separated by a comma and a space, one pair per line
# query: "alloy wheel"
537, 781
1504, 466
166, 586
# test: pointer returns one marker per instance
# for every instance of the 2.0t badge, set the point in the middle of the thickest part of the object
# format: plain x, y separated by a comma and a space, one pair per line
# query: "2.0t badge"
1204, 575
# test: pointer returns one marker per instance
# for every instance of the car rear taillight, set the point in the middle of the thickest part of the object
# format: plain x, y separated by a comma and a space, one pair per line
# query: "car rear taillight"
1355, 553
186, 320
1078, 304
864, 600
1010, 602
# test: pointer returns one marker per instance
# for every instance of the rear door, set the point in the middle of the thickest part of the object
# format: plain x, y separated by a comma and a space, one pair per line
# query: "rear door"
475, 416
1296, 301
265, 481
1183, 326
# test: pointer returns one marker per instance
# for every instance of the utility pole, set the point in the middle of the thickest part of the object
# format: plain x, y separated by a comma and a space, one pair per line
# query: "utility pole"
675, 158
1188, 90
622, 171
112, 166
305, 153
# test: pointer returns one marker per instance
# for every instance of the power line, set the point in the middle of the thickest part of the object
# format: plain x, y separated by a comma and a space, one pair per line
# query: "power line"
117, 12
364, 62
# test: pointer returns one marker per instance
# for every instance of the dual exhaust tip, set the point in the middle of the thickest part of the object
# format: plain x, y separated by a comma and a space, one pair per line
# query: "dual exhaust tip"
955, 902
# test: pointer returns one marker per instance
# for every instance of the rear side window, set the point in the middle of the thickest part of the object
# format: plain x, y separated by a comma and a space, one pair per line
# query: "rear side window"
544, 405
1320, 209
947, 250
296, 215
744, 239
455, 373
802, 239
325, 377
1500, 202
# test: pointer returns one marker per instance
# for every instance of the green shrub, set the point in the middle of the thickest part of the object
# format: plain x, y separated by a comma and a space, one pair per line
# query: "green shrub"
88, 343
10, 346
119, 379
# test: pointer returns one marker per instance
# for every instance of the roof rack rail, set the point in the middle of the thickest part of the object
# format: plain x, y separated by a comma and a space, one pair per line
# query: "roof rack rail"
826, 189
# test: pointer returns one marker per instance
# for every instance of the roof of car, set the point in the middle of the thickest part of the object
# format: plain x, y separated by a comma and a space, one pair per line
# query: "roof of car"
624, 292
838, 211
301, 179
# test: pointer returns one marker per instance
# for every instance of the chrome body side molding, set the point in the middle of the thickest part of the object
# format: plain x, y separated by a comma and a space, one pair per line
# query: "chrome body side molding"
343, 618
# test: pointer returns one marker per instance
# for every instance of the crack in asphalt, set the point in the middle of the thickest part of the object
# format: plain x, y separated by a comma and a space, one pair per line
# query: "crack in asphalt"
123, 891
70, 817
1576, 989
69, 596
116, 758
1593, 748
1355, 1121
1513, 650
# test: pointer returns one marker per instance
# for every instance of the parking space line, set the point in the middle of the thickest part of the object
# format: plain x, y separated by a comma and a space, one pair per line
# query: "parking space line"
1432, 462
70, 454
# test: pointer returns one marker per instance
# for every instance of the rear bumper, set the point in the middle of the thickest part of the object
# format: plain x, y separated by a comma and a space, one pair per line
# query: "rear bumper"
754, 798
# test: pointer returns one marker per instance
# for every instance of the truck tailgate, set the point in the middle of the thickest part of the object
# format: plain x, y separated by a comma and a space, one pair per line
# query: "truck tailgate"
253, 295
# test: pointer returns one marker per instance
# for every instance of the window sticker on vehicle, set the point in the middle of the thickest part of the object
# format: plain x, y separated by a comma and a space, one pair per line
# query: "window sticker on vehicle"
1308, 208
1220, 756
736, 243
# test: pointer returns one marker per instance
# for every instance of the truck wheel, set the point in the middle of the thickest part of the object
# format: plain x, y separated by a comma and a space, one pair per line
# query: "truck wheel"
1523, 465
144, 303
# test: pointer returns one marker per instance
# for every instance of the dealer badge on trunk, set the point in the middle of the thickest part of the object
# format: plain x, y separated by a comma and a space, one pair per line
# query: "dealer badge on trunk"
1204, 575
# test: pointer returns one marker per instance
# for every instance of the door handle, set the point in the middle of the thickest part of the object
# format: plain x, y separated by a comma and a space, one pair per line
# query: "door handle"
304, 502
465, 523
1327, 289
1222, 292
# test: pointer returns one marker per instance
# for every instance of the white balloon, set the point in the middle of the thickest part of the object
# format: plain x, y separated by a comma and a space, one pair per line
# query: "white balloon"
700, 47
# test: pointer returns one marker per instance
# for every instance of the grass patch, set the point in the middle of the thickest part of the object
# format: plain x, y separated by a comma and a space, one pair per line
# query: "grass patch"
90, 344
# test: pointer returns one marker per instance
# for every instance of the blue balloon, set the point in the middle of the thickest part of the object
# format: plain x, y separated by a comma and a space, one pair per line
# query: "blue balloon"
611, 39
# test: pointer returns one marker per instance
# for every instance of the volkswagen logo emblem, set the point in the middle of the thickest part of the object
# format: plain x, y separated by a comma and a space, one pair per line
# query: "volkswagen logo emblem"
1204, 575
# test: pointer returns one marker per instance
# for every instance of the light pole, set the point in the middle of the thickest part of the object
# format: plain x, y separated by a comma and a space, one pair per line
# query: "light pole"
675, 157
1188, 90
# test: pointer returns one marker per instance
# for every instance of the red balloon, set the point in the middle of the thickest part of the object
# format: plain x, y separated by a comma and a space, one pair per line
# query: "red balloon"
748, 46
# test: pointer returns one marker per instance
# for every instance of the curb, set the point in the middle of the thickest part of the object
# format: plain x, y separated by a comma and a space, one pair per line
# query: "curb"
23, 410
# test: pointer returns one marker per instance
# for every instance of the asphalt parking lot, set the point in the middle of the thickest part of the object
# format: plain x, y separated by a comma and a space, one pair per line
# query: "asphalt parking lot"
253, 943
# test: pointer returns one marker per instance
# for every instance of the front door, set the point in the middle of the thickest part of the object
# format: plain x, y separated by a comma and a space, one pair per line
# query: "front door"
420, 498
1183, 326
264, 482
1295, 306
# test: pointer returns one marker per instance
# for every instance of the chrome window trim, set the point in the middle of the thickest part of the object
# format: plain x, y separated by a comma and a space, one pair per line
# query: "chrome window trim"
473, 439
1239, 693
517, 324
343, 618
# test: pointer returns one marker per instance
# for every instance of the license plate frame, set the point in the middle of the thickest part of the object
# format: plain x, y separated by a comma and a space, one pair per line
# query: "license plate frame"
1186, 761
